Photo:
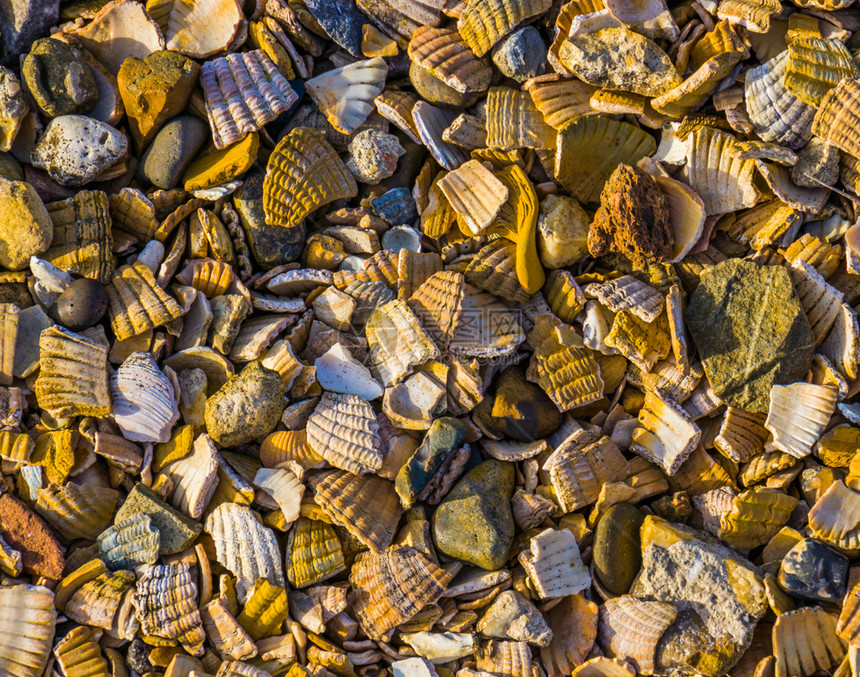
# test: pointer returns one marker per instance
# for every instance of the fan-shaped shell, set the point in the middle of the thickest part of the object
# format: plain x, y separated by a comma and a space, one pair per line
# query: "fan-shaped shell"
483, 24
837, 117
28, 618
474, 192
481, 336
224, 631
77, 510
284, 448
833, 518
805, 641
137, 302
165, 601
565, 297
820, 301
842, 345
798, 414
554, 565
742, 435
414, 269
665, 436
130, 543
397, 342
628, 293
755, 516
198, 28
97, 601
79, 655
630, 629
346, 94
195, 477
83, 240
494, 269
284, 487
560, 100
848, 625
444, 53
144, 405
313, 553
815, 66
343, 429
437, 304
513, 121
504, 658
578, 472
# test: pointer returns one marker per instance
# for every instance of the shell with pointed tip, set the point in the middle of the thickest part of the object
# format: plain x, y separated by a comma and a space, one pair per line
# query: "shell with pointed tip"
604, 667
224, 632
437, 304
303, 173
444, 53
130, 543
815, 66
848, 626
195, 477
83, 240
243, 93
820, 301
244, 547
391, 587
346, 94
313, 553
97, 601
79, 655
554, 564
474, 192
381, 267
573, 621
833, 518
798, 414
513, 121
494, 269
343, 430
665, 436
265, 610
28, 618
578, 472
367, 505
630, 629
836, 120
397, 342
77, 510
742, 435
198, 28
483, 24
165, 602
137, 302
805, 641
144, 405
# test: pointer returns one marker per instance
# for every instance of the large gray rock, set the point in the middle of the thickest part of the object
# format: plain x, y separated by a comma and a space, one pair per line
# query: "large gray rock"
21, 22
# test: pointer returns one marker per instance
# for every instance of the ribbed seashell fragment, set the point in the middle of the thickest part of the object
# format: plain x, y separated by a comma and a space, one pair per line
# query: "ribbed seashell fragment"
194, 477
833, 518
494, 269
554, 564
83, 240
165, 601
755, 516
346, 94
199, 28
97, 602
313, 553
798, 414
137, 302
79, 655
397, 343
474, 192
9, 322
28, 618
483, 24
77, 510
630, 629
130, 543
444, 53
836, 118
224, 631
578, 471
344, 430
513, 121
804, 642
144, 405
665, 436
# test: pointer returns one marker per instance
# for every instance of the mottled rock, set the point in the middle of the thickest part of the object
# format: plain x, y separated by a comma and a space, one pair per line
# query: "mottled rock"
815, 572
58, 78
176, 531
433, 90
341, 20
474, 522
17, 293
155, 89
817, 164
633, 218
512, 616
27, 228
521, 55
517, 408
562, 231
75, 150
26, 532
674, 508
32, 322
13, 108
750, 331
617, 551
248, 406
413, 667
82, 304
172, 151
21, 22
373, 155
618, 58
442, 439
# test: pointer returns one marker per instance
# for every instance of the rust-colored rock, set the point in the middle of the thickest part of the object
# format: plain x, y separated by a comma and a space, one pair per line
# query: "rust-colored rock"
25, 531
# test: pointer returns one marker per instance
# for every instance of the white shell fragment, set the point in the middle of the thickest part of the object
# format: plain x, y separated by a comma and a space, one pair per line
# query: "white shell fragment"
665, 436
798, 414
144, 405
554, 564
339, 372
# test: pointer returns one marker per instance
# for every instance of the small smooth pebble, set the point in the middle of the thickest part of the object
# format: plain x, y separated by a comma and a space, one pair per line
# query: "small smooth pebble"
617, 551
172, 151
82, 304
521, 55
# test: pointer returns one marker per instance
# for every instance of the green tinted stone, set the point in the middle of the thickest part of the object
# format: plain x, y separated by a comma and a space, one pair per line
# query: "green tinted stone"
617, 549
443, 438
177, 531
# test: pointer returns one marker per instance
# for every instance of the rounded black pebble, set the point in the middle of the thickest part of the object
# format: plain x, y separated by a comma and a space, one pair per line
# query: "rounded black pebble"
81, 305
138, 656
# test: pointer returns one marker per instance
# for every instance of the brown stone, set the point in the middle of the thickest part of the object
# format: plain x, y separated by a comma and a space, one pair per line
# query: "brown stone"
633, 218
25, 531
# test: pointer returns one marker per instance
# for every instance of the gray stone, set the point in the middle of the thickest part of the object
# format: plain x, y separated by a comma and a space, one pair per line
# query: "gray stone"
815, 572
58, 78
27, 228
512, 616
817, 163
176, 531
342, 20
172, 151
521, 55
442, 439
13, 108
21, 22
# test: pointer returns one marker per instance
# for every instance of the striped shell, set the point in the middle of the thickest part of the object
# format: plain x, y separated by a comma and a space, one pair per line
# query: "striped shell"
130, 543
97, 601
742, 435
165, 602
83, 240
285, 489
833, 517
437, 304
28, 618
665, 436
198, 28
77, 510
483, 24
805, 641
494, 269
430, 124
561, 101
79, 655
513, 121
397, 342
444, 53
144, 405
137, 302
224, 631
346, 94
578, 472
815, 66
265, 610
630, 629
554, 565
798, 414
474, 192
313, 553
504, 658
195, 477
836, 119
403, 18
344, 430
755, 516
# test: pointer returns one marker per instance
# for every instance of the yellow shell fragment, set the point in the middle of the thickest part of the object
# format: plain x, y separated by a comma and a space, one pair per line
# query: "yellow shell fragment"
137, 302
474, 192
493, 269
437, 304
83, 239
742, 435
815, 66
344, 430
665, 436
643, 343
579, 471
484, 22
564, 295
513, 121
224, 631
265, 610
77, 510
28, 617
346, 94
754, 15
97, 602
313, 553
805, 641
834, 517
561, 101
79, 655
755, 516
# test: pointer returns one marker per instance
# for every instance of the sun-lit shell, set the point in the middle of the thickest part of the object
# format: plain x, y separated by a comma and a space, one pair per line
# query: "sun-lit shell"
494, 269
444, 53
503, 658
208, 276
590, 148
815, 66
573, 621
367, 505
303, 173
474, 192
604, 667
313, 553
652, 18
483, 24
513, 121
848, 626
224, 631
564, 296
79, 655
8, 337
833, 518
28, 617
665, 436
243, 93
83, 240
754, 15
402, 17
265, 610
798, 414
578, 472
742, 435
554, 565
344, 430
137, 302
820, 301
437, 304
244, 547
805, 641
285, 489
396, 105
778, 179
97, 601
143, 400
628, 293
346, 94
391, 587
561, 101
630, 629
755, 516
467, 131
133, 212
836, 119
198, 28
397, 342
643, 343
430, 123
842, 345
239, 669
686, 213
130, 543
165, 601
194, 477
77, 510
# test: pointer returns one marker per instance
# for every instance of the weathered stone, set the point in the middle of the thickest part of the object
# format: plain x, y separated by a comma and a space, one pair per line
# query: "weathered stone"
58, 78
27, 228
562, 231
618, 58
517, 408
17, 293
341, 20
373, 155
413, 667
248, 406
474, 522
813, 571
155, 89
442, 439
633, 218
433, 90
26, 532
13, 108
674, 508
512, 616
441, 647
521, 55
750, 331
617, 550
21, 22
172, 151
83, 303
817, 164
176, 531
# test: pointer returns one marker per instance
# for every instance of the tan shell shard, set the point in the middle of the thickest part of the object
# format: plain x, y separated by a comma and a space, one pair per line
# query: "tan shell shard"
265, 610
513, 121
83, 240
72, 380
554, 565
96, 602
833, 518
414, 269
503, 658
805, 641
837, 117
561, 101
396, 105
165, 601
798, 414
848, 625
842, 345
630, 629
444, 53
137, 302
28, 618
475, 193
665, 436
397, 342
604, 667
404, 17
764, 224
642, 343
821, 255
129, 544
820, 301
562, 366
224, 632
760, 467
381, 267
239, 669
755, 516
16, 447
467, 131
131, 211
198, 28
754, 15
344, 430
628, 293
288, 448
8, 336
243, 93
210, 277
573, 621
431, 123
578, 472
346, 95
494, 269
815, 66
77, 510
144, 406
564, 296
366, 505
391, 587
78, 654
437, 304
285, 489
303, 173
742, 435
195, 477
313, 553
483, 24
244, 547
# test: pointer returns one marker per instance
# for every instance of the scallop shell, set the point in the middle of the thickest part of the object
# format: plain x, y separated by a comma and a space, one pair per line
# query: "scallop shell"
842, 345
848, 625
265, 610
564, 295
396, 105
144, 405
343, 429
79, 655
820, 301
444, 53
199, 28
804, 642
554, 565
483, 24
755, 516
578, 472
642, 343
628, 293
244, 92
165, 602
313, 553
367, 505
754, 15
97, 601
414, 269
504, 658
346, 94
130, 543
28, 618
764, 225
402, 17
561, 101
72, 379
208, 276
430, 124
391, 587
665, 436
562, 366
437, 304
514, 121
798, 414
474, 192
224, 632
131, 211
16, 447
284, 487
590, 148
493, 269
303, 173
397, 342
83, 240
244, 547
821, 255
630, 629
137, 302
77, 510
815, 66
742, 435
833, 518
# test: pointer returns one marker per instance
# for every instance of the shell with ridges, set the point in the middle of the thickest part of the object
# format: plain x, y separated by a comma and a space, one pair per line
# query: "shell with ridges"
475, 193
431, 123
815, 66
137, 302
504, 658
604, 667
396, 105
28, 617
820, 301
79, 655
239, 669
97, 601
265, 610
627, 293
130, 543
285, 489
195, 477
397, 342
15, 447
313, 553
578, 472
484, 22
642, 343
288, 448
346, 94
494, 269
224, 631
842, 345
198, 28
437, 304
754, 15
848, 625
564, 295
837, 117
742, 435
77, 510
444, 53
755, 516
630, 629
401, 17
798, 414
144, 406
414, 269
805, 641
665, 436
344, 430
561, 101
83, 239
513, 121
833, 518
165, 602
554, 566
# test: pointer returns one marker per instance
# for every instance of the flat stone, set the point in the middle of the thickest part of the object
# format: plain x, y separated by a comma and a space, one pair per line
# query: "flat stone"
617, 550
75, 150
750, 331
248, 406
443, 438
817, 164
341, 20
517, 408
26, 532
176, 531
21, 22
155, 89
512, 616
474, 522
521, 55
27, 228
58, 78
813, 571
562, 231
172, 151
